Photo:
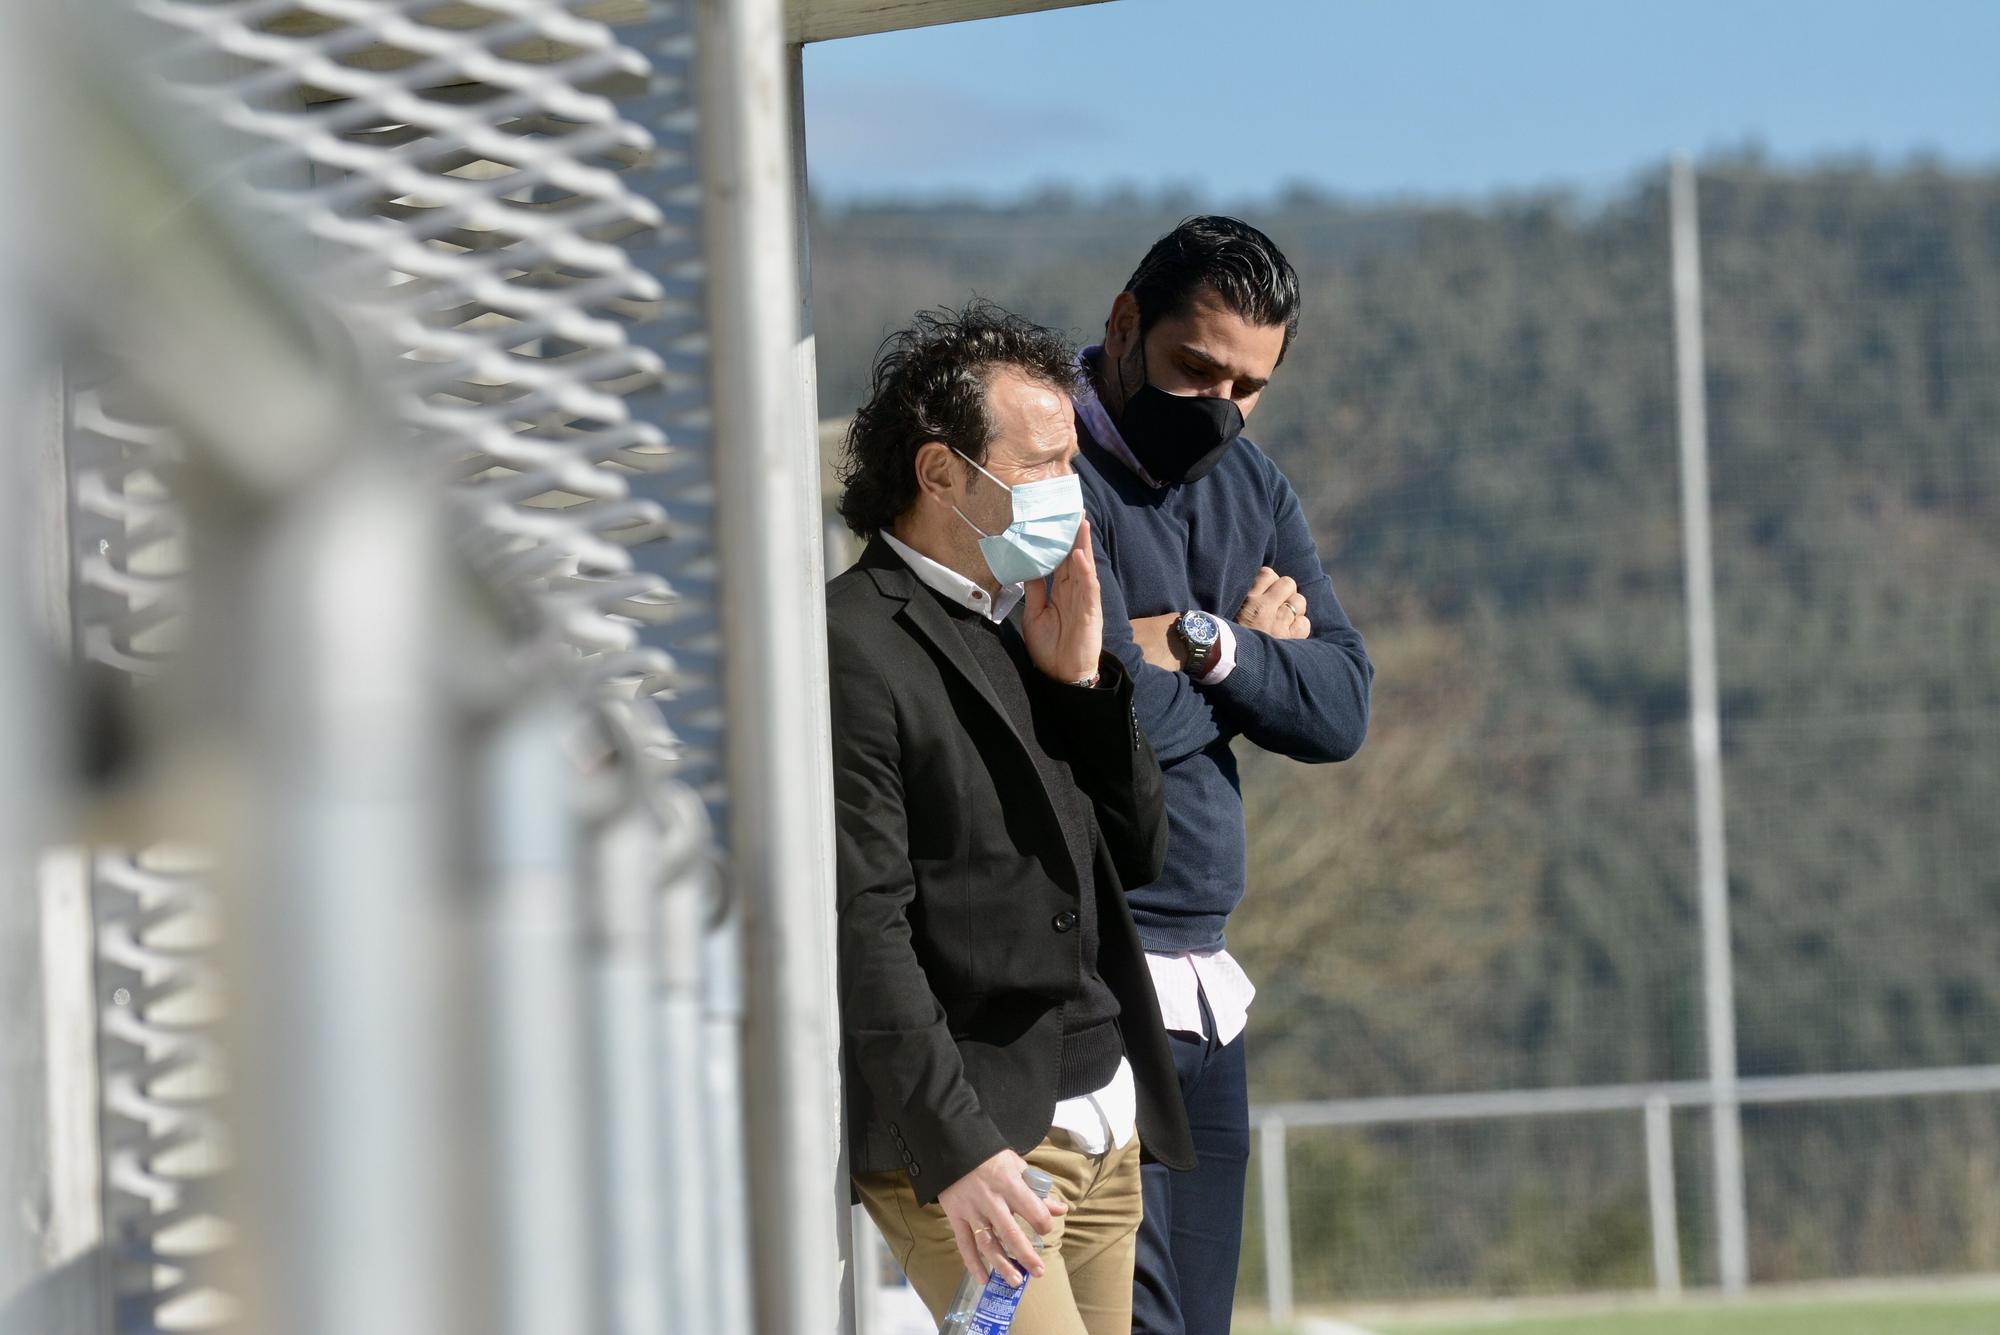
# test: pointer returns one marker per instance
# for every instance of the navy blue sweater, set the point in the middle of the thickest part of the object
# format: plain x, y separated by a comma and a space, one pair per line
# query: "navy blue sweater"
1198, 545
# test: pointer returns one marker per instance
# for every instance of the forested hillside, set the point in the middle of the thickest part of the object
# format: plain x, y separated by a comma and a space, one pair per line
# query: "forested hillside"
1499, 891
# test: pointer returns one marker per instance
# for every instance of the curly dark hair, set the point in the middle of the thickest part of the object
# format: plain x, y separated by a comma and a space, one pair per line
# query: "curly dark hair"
929, 383
1243, 266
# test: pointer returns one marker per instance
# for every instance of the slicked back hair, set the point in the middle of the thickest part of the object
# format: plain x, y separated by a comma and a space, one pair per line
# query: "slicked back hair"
929, 383
1240, 264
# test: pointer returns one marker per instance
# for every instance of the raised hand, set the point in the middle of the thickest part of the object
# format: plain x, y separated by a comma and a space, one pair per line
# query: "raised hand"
1064, 622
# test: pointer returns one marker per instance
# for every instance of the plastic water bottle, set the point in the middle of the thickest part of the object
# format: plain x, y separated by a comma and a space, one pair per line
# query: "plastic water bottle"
988, 1309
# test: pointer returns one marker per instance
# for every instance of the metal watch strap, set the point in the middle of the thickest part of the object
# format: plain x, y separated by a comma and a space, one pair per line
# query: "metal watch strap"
1183, 647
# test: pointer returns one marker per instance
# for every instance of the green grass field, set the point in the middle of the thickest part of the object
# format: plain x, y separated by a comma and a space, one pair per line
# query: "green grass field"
1905, 1313
1900, 1317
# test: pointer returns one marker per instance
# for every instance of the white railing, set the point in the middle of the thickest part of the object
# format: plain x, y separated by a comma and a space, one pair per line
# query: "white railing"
1653, 1103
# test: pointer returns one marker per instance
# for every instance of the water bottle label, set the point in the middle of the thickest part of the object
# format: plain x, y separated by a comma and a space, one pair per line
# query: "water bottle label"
995, 1313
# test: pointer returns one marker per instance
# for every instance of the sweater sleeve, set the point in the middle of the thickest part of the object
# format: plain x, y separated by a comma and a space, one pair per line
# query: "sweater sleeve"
1306, 699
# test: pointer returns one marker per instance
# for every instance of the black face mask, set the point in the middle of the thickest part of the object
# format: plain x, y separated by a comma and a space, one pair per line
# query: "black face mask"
1178, 437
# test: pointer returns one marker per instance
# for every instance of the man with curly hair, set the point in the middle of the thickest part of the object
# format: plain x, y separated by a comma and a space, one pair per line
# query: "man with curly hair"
993, 797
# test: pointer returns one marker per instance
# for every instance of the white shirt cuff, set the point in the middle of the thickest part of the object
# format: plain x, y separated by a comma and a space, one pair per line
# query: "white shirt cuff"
1225, 656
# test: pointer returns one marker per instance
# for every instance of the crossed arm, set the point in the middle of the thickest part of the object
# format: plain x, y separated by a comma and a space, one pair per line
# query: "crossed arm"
1301, 684
1270, 606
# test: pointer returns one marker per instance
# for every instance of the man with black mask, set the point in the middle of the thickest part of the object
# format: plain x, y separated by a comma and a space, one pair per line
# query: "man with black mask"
1217, 605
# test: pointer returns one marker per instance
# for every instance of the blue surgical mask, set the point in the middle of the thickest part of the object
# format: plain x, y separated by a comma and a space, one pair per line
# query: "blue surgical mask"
1047, 515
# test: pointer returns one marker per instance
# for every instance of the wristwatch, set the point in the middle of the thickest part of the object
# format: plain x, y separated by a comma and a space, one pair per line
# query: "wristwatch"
1193, 639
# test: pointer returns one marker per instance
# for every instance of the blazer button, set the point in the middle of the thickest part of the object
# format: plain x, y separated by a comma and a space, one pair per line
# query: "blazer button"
1064, 921
915, 1171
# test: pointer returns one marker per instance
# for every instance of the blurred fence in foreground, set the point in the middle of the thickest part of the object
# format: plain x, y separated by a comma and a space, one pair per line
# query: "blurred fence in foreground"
378, 964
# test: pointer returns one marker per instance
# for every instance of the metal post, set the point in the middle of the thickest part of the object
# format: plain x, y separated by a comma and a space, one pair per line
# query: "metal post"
624, 979
1660, 1196
1277, 1201
725, 1178
864, 1249
22, 1106
69, 991
767, 526
806, 473
362, 1154
543, 1106
1706, 727
74, 1177
698, 1154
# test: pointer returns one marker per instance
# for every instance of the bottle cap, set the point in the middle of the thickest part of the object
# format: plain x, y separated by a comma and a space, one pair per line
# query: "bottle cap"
1038, 1182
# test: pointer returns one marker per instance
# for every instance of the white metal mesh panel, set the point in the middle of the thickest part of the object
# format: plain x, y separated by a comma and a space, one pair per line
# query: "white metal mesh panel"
501, 199
161, 1072
486, 217
163, 1136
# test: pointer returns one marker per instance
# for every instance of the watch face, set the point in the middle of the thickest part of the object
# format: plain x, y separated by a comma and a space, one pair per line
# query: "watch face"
1199, 628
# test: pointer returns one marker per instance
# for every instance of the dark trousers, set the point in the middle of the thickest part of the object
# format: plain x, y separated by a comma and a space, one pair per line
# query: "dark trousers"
1184, 1278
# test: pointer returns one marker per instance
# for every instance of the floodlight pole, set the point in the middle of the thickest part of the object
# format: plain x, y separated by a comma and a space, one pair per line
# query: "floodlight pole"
1704, 713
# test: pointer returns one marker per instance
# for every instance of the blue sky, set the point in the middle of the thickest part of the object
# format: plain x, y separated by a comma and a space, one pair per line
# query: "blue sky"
1379, 98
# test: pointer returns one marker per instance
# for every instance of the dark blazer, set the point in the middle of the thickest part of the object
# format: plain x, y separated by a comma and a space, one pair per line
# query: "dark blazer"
957, 893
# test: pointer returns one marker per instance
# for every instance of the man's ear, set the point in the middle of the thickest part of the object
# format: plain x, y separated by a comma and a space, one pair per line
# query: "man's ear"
933, 466
1121, 328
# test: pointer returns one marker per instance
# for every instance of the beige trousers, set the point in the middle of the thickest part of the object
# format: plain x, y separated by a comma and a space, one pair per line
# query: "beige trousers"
1088, 1287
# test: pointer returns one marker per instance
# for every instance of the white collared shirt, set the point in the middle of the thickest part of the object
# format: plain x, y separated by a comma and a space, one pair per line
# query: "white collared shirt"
1179, 980
946, 581
1105, 1117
